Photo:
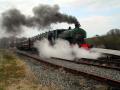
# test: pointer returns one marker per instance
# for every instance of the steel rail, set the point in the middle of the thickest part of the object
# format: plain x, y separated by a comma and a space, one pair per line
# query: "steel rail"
72, 69
90, 64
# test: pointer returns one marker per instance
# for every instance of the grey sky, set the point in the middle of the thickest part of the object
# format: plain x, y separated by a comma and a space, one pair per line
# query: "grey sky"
95, 16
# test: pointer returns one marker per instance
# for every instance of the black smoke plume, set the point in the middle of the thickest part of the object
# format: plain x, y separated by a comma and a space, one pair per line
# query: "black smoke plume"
12, 21
44, 16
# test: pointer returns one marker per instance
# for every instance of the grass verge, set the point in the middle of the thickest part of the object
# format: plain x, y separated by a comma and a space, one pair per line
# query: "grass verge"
16, 75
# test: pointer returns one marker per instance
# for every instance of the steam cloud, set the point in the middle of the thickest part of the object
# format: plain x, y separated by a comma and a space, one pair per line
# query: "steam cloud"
62, 49
44, 16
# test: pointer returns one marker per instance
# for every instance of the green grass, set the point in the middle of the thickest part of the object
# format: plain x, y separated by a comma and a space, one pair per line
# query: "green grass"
1, 88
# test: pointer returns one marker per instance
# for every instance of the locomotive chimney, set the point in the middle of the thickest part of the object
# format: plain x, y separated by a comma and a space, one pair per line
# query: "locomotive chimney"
77, 24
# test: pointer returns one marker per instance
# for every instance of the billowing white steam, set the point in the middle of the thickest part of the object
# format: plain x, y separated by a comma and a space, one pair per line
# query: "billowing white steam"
62, 49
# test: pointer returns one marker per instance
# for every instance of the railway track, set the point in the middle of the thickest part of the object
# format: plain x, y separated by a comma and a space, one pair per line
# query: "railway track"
101, 63
108, 63
79, 68
90, 62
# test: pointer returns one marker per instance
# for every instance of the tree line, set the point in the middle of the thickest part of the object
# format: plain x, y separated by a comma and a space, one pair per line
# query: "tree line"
111, 40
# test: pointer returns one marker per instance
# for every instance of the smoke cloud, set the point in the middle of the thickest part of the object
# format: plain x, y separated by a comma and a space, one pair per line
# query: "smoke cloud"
12, 21
43, 16
62, 49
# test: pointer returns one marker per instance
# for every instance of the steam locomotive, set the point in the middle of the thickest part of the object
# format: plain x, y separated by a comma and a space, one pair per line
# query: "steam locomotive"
71, 35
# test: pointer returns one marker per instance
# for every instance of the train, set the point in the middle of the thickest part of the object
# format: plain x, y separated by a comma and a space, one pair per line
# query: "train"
73, 36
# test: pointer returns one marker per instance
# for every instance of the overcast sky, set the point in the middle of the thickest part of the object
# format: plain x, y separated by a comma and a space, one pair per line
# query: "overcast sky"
95, 16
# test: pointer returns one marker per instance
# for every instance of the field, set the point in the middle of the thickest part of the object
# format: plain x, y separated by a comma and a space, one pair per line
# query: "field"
16, 75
